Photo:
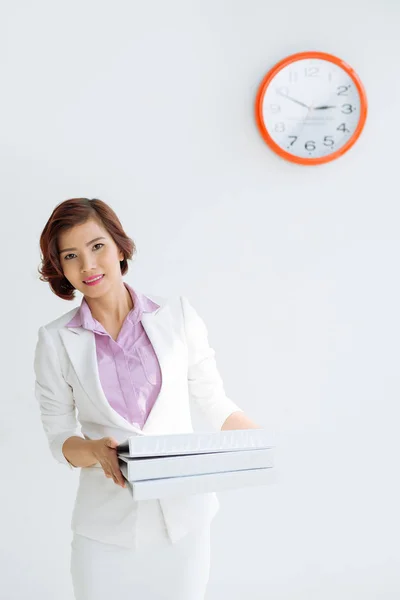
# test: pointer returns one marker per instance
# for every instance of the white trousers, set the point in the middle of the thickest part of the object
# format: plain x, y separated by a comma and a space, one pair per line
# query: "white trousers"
155, 570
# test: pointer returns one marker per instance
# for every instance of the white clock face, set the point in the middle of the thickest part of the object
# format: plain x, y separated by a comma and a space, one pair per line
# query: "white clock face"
311, 108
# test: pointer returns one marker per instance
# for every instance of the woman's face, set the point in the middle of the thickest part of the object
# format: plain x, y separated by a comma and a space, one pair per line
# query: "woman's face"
83, 256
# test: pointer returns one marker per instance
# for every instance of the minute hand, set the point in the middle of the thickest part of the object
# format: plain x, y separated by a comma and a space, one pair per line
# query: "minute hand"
293, 100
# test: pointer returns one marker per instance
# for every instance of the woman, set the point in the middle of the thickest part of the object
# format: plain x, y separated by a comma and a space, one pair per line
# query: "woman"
121, 364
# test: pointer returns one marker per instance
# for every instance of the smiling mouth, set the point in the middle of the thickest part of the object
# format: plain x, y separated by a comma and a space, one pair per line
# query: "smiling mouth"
93, 279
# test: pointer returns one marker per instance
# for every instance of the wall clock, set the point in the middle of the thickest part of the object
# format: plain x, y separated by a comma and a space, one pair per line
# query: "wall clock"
311, 108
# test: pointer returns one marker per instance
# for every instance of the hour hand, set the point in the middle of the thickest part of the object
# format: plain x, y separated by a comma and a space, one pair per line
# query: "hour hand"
324, 107
292, 99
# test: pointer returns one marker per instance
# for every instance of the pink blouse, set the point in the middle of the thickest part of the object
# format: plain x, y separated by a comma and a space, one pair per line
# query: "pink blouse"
129, 371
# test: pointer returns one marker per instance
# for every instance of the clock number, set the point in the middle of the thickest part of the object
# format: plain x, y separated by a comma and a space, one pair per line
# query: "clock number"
310, 146
328, 140
294, 139
343, 128
279, 127
347, 109
342, 90
274, 108
311, 71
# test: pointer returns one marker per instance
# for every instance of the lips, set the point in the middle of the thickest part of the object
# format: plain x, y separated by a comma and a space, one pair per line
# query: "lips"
93, 278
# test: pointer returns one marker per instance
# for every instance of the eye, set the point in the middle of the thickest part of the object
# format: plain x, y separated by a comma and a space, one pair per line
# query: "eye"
66, 256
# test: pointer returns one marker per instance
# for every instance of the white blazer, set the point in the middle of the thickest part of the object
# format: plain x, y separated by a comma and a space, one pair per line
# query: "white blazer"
70, 396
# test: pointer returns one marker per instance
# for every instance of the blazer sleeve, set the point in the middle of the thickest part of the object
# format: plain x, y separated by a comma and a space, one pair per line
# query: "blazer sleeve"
55, 397
206, 387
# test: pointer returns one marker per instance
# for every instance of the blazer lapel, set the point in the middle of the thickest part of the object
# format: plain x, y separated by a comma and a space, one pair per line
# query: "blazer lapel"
80, 346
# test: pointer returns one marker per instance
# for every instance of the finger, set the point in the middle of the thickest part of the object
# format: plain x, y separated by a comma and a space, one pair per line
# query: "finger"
114, 475
108, 470
117, 470
112, 443
119, 477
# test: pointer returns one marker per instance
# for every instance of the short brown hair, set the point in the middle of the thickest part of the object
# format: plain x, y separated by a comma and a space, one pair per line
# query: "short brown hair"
67, 214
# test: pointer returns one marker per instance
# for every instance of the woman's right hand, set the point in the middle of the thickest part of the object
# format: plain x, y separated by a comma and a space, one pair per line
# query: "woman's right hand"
104, 451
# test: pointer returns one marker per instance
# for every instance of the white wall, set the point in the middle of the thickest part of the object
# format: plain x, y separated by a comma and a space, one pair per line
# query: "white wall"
149, 106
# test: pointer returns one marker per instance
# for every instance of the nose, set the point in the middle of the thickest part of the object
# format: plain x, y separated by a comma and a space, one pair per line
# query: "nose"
88, 266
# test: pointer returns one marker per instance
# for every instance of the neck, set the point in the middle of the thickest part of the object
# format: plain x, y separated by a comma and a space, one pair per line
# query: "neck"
112, 307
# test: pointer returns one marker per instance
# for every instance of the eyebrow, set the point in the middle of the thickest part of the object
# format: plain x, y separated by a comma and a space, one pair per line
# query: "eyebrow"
88, 244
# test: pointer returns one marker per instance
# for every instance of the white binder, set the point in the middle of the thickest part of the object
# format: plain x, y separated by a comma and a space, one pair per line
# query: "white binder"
199, 484
194, 442
138, 469
156, 466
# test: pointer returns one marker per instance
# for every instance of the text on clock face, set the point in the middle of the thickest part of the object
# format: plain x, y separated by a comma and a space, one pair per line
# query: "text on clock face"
311, 108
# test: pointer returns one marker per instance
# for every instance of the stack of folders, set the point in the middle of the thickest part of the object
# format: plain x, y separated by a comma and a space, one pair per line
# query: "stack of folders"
156, 466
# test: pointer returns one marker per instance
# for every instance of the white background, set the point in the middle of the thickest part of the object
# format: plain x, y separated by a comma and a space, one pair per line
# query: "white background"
150, 107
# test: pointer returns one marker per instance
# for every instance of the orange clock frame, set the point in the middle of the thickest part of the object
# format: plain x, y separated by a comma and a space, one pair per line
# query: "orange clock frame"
260, 98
